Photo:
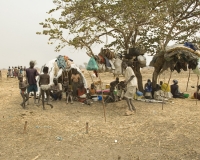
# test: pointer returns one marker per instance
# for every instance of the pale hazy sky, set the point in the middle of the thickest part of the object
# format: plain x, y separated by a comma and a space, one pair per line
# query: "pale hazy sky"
19, 22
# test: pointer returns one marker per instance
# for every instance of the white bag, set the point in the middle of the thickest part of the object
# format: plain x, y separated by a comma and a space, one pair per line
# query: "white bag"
141, 60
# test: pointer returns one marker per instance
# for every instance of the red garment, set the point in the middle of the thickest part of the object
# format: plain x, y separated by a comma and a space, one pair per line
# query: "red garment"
80, 93
197, 96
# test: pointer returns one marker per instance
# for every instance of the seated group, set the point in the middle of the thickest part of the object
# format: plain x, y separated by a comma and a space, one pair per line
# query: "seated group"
163, 90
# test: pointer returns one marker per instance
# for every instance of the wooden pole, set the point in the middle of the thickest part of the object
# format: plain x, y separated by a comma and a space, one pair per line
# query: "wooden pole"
104, 108
197, 89
166, 88
188, 80
25, 126
86, 127
91, 77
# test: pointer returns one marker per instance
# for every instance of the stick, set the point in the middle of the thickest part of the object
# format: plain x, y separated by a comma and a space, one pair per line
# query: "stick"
197, 88
36, 157
166, 87
25, 125
91, 77
86, 127
102, 99
188, 80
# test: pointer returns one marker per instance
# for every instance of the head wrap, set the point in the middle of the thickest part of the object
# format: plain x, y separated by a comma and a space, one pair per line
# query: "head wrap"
175, 81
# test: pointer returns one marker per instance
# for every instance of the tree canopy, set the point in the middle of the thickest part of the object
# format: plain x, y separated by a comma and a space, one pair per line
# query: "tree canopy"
139, 23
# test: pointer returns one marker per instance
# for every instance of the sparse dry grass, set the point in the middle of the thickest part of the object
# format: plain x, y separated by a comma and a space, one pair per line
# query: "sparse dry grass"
59, 133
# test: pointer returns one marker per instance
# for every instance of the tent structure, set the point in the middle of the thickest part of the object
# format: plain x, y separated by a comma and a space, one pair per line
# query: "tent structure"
58, 72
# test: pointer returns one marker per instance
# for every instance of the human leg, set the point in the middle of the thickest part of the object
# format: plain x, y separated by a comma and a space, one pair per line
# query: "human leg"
23, 102
42, 93
133, 107
48, 95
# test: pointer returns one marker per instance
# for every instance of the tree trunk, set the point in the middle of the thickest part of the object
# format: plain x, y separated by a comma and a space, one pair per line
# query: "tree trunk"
138, 74
158, 64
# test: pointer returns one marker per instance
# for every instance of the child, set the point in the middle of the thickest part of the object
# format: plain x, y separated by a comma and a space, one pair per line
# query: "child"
22, 86
44, 86
69, 94
82, 94
92, 90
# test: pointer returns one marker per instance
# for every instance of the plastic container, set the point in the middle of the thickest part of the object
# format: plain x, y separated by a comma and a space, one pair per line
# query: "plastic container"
99, 98
186, 95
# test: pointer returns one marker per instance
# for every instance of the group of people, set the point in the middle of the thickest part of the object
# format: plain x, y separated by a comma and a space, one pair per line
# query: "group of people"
16, 71
173, 90
75, 91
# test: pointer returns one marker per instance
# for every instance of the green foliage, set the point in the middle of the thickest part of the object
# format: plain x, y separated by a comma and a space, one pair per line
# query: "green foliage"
142, 23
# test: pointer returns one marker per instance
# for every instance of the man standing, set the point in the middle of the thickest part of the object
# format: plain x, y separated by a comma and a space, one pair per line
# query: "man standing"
31, 74
76, 79
131, 82
56, 90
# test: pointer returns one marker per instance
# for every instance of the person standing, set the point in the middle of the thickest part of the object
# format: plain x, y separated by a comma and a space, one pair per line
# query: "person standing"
31, 74
44, 85
131, 83
76, 79
9, 72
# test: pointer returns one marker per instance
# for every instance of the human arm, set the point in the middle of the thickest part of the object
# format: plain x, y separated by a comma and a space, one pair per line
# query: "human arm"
126, 82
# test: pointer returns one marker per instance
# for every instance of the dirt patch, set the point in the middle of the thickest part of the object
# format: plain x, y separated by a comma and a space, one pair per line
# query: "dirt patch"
60, 133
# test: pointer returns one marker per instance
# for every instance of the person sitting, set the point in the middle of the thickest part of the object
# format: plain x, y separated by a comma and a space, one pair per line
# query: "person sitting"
56, 90
175, 90
23, 86
112, 97
158, 86
121, 89
82, 94
92, 90
148, 89
197, 94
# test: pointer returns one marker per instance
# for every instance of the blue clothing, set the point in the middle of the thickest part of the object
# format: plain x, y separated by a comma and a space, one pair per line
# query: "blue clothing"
32, 88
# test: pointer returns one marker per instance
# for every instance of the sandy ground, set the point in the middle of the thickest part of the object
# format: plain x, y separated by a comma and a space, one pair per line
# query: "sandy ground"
60, 133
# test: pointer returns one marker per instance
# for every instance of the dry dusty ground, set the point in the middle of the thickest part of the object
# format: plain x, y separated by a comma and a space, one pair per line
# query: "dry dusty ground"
59, 133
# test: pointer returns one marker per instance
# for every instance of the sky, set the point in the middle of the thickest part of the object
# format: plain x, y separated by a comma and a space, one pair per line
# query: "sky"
19, 43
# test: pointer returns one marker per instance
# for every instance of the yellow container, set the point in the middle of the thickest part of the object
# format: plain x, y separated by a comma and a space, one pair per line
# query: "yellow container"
107, 86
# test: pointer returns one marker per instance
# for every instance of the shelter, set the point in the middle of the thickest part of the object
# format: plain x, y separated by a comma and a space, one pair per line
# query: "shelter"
56, 71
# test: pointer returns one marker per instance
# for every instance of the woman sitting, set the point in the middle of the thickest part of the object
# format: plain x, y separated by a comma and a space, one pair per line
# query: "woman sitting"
148, 89
82, 94
175, 90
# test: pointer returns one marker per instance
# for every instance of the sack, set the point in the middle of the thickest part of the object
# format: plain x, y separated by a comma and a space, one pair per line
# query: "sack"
141, 60
92, 65
61, 62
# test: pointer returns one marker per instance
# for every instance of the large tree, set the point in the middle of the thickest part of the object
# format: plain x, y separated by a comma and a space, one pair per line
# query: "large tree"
179, 21
142, 24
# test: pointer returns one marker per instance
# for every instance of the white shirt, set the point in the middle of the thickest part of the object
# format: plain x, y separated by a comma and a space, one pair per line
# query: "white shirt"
128, 73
